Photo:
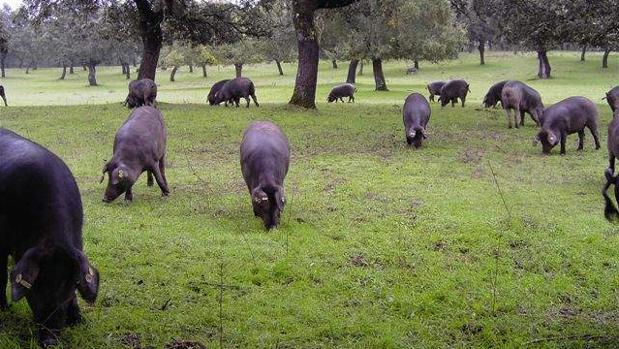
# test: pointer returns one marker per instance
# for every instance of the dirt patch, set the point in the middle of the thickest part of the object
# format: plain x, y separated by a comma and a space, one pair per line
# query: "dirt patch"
440, 245
471, 155
358, 261
184, 345
131, 340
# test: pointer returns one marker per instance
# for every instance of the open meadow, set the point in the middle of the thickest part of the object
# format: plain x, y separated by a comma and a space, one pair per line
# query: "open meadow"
476, 240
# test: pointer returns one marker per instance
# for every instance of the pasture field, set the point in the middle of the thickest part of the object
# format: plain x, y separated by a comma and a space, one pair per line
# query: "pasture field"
381, 246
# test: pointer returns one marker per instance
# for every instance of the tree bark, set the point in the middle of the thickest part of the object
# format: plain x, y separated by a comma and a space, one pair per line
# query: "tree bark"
2, 60
64, 72
582, 53
544, 65
71, 69
238, 67
279, 67
204, 71
128, 71
123, 67
352, 71
150, 31
482, 48
361, 68
28, 69
334, 63
379, 76
191, 68
172, 73
304, 94
92, 74
84, 68
605, 58
416, 64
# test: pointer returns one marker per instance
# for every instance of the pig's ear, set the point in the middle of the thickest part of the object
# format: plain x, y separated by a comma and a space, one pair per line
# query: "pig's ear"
25, 273
258, 196
87, 277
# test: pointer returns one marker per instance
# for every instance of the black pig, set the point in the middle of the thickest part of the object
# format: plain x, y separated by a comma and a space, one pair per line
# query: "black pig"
612, 97
493, 97
341, 91
435, 89
141, 92
41, 220
3, 95
610, 211
569, 116
265, 157
139, 145
214, 89
233, 90
452, 90
416, 114
521, 98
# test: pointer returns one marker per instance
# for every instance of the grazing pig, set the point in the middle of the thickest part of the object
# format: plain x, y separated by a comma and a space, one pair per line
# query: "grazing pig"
416, 113
521, 98
141, 92
265, 156
214, 89
341, 91
612, 97
41, 228
435, 89
452, 90
3, 95
233, 90
139, 145
493, 97
569, 116
610, 211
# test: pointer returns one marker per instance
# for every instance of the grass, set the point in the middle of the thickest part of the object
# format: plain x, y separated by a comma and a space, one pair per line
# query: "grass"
381, 246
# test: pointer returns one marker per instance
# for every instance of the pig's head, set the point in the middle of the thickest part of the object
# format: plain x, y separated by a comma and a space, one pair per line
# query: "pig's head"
120, 178
416, 136
48, 277
331, 98
131, 101
490, 101
268, 203
548, 138
444, 101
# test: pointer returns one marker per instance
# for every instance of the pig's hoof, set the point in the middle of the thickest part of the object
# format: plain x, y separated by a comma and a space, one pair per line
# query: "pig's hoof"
165, 194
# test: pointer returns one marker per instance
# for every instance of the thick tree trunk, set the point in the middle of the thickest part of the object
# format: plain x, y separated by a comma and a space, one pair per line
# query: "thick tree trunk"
204, 71
361, 68
238, 67
304, 94
172, 73
379, 76
71, 69
582, 53
127, 71
123, 67
150, 31
352, 71
544, 65
191, 68
416, 64
64, 72
605, 58
334, 63
482, 48
92, 74
84, 68
279, 67
2, 60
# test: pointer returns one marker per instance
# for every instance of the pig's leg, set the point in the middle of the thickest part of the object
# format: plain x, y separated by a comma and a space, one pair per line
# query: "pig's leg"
4, 99
160, 180
255, 100
129, 194
342, 99
522, 117
509, 118
453, 102
248, 101
162, 170
563, 139
611, 163
73, 312
581, 139
237, 100
596, 137
431, 97
463, 100
149, 179
516, 116
3, 278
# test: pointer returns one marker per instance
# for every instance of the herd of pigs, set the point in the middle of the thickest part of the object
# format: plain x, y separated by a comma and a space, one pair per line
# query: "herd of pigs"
41, 212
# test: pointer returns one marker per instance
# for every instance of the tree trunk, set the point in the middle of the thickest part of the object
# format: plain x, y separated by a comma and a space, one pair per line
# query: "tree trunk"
191, 68
28, 69
239, 69
21, 63
482, 48
92, 74
334, 63
64, 72
279, 67
304, 94
582, 54
128, 71
123, 67
379, 76
174, 69
2, 59
84, 67
150, 31
605, 58
352, 71
71, 69
361, 68
544, 65
204, 71
416, 64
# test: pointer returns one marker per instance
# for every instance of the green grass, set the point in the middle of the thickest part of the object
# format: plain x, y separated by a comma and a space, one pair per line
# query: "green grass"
381, 246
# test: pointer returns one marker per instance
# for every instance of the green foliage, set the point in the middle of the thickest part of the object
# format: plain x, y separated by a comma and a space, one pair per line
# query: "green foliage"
241, 52
539, 25
204, 55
